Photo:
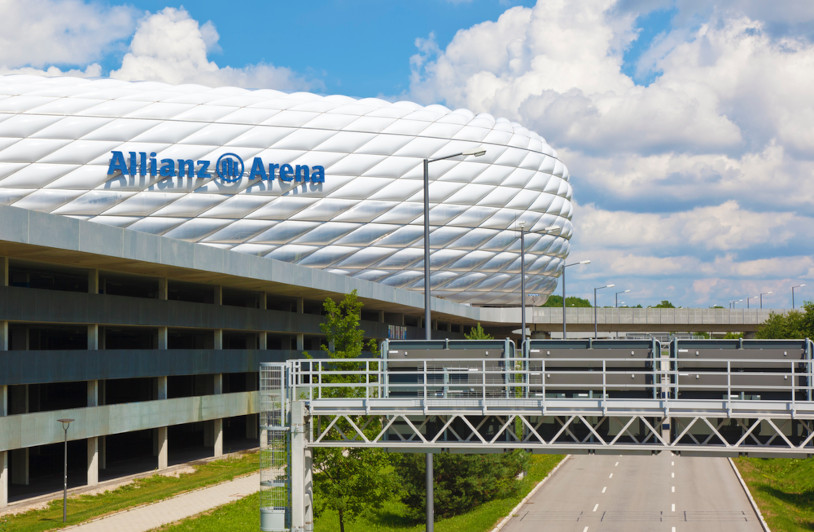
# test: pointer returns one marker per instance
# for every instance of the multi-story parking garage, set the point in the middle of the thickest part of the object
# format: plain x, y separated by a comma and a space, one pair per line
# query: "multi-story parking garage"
159, 242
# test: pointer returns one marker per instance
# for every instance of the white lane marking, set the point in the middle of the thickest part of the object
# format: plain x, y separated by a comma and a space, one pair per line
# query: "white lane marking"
596, 506
672, 464
674, 529
673, 507
610, 476
672, 475
604, 489
673, 489
616, 464
586, 529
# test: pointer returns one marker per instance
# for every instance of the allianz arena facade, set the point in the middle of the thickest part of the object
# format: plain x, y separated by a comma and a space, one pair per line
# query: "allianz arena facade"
332, 182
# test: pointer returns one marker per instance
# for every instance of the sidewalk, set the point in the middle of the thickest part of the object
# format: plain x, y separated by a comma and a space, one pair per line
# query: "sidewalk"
149, 516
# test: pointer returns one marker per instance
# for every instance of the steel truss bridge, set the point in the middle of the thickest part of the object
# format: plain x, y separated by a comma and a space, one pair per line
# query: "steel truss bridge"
701, 397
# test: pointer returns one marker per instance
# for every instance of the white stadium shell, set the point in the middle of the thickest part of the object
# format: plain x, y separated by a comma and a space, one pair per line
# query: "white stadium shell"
326, 182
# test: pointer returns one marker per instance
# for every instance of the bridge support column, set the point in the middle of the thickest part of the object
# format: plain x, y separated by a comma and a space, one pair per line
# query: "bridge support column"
302, 513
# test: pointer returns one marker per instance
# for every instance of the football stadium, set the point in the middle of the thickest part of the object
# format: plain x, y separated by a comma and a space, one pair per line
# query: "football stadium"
160, 242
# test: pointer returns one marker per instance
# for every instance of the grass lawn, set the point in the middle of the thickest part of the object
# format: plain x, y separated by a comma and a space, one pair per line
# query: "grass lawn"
244, 515
783, 489
140, 491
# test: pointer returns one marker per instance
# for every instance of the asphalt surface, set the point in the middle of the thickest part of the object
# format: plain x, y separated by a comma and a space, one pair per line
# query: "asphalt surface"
638, 493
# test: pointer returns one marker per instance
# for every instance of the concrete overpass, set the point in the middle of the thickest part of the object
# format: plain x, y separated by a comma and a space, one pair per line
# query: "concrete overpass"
548, 320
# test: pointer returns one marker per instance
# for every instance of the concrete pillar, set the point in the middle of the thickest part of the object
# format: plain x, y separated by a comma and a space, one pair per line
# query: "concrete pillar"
262, 340
3, 479
218, 339
163, 289
163, 447
93, 443
302, 512
93, 337
160, 444
213, 431
162, 337
3, 336
93, 282
217, 427
219, 295
93, 461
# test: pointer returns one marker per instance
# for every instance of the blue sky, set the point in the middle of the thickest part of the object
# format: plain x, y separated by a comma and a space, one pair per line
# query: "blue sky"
685, 124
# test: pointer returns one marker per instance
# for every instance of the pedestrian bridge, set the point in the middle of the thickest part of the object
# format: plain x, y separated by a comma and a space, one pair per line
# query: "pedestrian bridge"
700, 397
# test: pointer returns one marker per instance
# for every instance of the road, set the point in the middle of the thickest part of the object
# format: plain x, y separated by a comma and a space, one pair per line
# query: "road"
638, 493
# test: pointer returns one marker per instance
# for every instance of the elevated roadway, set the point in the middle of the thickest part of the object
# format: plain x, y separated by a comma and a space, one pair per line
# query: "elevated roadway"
548, 320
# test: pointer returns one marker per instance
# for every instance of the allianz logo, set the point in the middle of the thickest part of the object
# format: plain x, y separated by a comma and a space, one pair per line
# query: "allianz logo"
229, 167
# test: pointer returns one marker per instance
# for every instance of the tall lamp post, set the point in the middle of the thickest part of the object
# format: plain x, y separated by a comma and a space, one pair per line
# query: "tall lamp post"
596, 331
616, 305
66, 422
792, 293
761, 297
563, 291
427, 317
547, 231
747, 301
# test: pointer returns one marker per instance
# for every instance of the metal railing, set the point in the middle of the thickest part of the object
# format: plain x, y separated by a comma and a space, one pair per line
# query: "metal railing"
675, 378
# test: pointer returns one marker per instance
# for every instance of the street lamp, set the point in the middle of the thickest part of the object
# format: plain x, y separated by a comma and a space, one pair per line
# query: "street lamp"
732, 303
563, 291
617, 297
747, 301
596, 332
616, 305
427, 323
761, 297
427, 317
66, 422
547, 231
792, 293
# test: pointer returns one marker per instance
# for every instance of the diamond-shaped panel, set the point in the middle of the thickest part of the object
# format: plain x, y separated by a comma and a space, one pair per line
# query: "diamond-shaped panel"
57, 135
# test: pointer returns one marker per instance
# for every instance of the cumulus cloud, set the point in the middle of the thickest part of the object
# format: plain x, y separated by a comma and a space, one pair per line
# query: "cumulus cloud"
695, 174
171, 46
722, 228
37, 33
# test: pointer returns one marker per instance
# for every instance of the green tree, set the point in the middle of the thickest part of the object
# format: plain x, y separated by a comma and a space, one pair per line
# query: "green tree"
556, 301
350, 481
664, 304
477, 333
461, 482
794, 324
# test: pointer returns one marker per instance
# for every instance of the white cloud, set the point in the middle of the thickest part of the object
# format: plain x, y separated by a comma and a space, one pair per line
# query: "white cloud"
171, 46
721, 227
94, 70
705, 173
38, 33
